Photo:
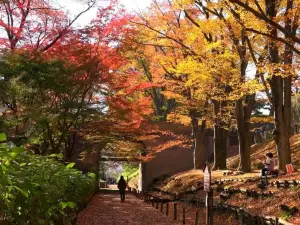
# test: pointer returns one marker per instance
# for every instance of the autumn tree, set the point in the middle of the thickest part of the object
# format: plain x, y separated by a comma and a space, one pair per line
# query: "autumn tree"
290, 16
192, 105
82, 79
162, 105
281, 76
236, 35
34, 24
279, 23
142, 60
188, 60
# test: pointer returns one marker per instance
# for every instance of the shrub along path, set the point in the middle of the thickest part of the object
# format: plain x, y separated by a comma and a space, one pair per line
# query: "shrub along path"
105, 209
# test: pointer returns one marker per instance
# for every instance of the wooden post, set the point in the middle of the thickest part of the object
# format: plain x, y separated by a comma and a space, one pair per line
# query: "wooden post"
161, 206
183, 215
152, 201
157, 201
197, 217
209, 195
175, 211
276, 221
209, 208
241, 216
261, 220
167, 209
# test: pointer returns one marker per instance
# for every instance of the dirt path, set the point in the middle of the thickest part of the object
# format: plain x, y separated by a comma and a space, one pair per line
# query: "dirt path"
106, 209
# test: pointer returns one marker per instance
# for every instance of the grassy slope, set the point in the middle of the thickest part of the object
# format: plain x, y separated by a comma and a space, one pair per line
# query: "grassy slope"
192, 179
259, 151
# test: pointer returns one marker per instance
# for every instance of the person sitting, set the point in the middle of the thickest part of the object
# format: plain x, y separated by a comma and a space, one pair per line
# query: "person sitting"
269, 164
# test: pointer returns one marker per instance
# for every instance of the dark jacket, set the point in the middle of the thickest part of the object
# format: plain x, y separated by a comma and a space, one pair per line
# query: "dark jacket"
122, 185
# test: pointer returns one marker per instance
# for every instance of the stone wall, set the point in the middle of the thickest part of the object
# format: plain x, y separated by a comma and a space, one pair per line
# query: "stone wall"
167, 162
175, 157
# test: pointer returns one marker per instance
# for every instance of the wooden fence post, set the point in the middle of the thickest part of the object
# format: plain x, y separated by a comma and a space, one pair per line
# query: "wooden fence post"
241, 216
167, 209
261, 220
161, 206
197, 217
152, 201
175, 211
183, 215
157, 201
276, 221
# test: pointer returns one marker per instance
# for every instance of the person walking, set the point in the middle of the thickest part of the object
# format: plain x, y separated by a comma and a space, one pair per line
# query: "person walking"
122, 187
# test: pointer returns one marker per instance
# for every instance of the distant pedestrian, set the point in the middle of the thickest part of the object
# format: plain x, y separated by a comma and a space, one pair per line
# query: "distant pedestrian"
257, 136
122, 187
265, 132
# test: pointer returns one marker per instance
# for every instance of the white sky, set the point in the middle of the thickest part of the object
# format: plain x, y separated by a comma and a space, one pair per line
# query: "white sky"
74, 7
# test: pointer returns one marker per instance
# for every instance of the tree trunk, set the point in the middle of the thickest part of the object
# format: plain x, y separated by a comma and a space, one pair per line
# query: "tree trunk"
243, 125
245, 151
220, 138
199, 151
220, 147
243, 109
198, 145
281, 90
69, 147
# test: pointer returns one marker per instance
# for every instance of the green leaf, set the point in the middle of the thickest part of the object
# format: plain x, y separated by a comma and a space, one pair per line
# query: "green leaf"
23, 164
9, 181
91, 175
3, 146
3, 168
70, 165
25, 193
18, 150
13, 154
3, 137
67, 204
36, 184
59, 156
